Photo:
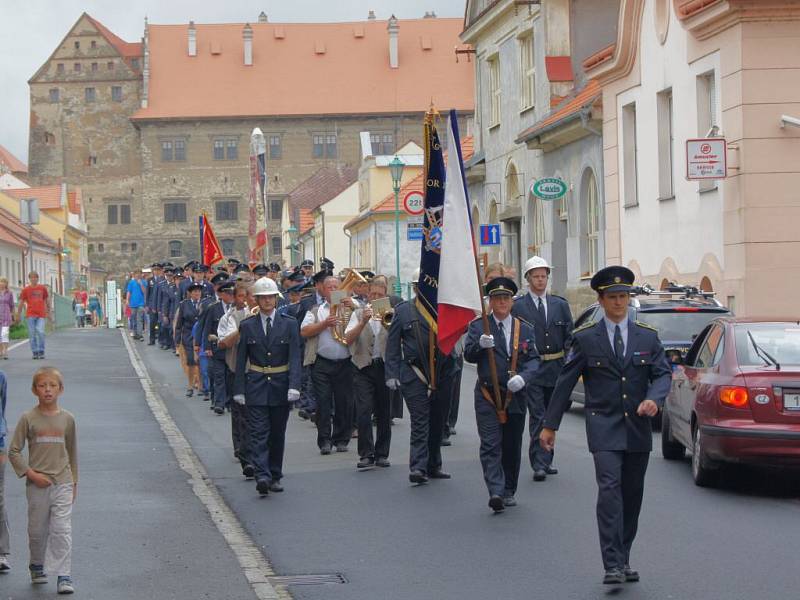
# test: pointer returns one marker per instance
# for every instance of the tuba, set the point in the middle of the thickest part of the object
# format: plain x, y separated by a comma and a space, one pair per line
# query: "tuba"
342, 312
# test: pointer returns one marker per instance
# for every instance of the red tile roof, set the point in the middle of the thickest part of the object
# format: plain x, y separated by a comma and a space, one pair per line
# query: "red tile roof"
324, 185
49, 196
11, 163
306, 69
306, 220
11, 224
74, 200
7, 236
559, 68
126, 49
572, 104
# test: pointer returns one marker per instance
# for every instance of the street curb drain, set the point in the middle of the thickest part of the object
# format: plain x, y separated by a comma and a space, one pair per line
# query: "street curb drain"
255, 566
323, 579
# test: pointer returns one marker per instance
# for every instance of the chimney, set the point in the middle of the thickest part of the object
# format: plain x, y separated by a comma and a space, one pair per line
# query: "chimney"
262, 17
192, 39
247, 37
430, 15
371, 15
394, 30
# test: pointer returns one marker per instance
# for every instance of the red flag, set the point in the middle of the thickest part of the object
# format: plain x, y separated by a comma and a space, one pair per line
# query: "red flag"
211, 251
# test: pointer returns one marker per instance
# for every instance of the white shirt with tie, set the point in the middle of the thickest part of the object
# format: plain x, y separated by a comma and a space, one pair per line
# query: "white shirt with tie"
271, 317
623, 330
543, 299
507, 324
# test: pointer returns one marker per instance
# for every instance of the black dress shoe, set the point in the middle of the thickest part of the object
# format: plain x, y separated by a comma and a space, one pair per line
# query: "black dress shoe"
630, 574
303, 414
325, 449
539, 475
248, 471
341, 448
382, 462
189, 393
275, 486
509, 500
151, 343
219, 410
366, 463
551, 470
446, 442
614, 576
262, 487
417, 477
439, 474
496, 504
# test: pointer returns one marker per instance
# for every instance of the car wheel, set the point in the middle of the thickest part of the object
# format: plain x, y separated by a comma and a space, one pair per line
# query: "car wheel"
703, 472
670, 449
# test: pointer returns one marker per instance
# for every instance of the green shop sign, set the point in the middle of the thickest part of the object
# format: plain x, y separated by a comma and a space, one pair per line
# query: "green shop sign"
549, 188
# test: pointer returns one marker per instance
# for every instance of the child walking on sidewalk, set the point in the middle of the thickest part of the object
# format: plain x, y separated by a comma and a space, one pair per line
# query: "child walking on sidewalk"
51, 470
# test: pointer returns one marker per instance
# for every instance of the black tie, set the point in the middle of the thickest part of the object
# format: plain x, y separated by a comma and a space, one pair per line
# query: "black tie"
619, 345
267, 326
502, 336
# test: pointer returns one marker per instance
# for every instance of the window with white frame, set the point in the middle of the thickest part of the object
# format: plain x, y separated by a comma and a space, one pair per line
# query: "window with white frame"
495, 91
590, 242
629, 155
537, 226
527, 72
666, 189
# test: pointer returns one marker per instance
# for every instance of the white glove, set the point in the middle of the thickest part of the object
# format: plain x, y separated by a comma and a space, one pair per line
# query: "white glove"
294, 395
393, 384
486, 341
516, 383
239, 399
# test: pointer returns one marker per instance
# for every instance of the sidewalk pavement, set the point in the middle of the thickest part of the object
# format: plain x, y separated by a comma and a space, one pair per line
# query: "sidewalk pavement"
139, 531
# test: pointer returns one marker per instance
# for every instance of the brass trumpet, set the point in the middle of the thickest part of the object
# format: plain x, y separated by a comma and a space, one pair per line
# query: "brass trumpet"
382, 311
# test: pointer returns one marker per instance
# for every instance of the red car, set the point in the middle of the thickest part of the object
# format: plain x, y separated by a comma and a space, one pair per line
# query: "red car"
736, 397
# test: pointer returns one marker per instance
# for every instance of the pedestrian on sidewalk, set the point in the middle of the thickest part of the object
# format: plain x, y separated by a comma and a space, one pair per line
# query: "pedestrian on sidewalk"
95, 308
5, 548
33, 302
51, 469
6, 316
135, 301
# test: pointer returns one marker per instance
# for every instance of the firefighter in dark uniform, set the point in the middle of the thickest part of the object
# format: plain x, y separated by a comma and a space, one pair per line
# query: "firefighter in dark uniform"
151, 300
268, 370
626, 378
188, 274
170, 299
513, 343
163, 334
307, 267
407, 367
552, 321
215, 356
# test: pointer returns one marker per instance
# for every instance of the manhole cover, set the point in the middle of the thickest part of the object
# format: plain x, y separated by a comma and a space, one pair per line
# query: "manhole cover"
322, 579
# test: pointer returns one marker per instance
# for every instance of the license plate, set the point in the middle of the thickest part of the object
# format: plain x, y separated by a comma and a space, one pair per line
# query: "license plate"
791, 401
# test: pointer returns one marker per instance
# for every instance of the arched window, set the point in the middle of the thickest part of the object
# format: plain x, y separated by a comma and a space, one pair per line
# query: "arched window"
590, 225
706, 285
512, 185
175, 249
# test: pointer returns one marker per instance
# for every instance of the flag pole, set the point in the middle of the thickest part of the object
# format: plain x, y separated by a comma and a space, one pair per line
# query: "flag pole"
430, 116
200, 221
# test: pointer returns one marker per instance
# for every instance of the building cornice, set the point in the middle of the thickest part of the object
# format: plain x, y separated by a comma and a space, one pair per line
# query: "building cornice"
616, 61
707, 18
485, 20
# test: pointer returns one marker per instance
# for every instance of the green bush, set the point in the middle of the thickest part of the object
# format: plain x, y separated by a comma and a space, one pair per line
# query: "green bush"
19, 331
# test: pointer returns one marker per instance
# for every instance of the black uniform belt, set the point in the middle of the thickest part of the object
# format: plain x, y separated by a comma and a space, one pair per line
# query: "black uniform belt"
269, 370
553, 356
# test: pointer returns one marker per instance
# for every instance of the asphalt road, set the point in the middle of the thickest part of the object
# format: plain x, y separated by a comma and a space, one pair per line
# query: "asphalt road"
141, 532
390, 540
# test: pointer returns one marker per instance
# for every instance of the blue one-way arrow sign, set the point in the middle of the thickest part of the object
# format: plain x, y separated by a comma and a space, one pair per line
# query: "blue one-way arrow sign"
490, 235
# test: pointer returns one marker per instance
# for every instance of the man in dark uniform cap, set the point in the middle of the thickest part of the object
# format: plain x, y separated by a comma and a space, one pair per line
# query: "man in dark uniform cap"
188, 274
307, 266
201, 342
216, 356
513, 343
230, 265
260, 270
307, 406
274, 270
151, 300
626, 377
201, 273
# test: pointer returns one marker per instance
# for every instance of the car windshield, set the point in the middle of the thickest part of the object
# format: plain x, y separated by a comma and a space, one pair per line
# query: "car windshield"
677, 326
780, 340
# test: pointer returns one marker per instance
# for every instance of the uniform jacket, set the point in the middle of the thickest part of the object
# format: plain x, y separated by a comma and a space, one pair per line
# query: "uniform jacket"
404, 349
527, 360
205, 304
152, 300
169, 301
211, 317
551, 337
187, 317
305, 305
613, 391
282, 347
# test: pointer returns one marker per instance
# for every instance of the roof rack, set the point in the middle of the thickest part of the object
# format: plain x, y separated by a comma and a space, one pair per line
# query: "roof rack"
673, 290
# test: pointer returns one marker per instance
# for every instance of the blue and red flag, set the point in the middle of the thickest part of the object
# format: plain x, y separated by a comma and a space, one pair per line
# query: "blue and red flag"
210, 251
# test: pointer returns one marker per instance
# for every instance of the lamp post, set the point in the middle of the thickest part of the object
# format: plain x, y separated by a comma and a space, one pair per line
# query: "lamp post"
396, 169
292, 231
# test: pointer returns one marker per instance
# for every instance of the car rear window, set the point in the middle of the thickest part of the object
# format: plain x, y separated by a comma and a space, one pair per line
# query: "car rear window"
780, 340
678, 326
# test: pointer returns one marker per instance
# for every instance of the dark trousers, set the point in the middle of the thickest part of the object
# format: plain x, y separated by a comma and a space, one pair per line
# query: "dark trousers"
538, 397
217, 374
427, 423
153, 326
372, 397
455, 400
307, 400
620, 487
163, 331
240, 433
169, 340
333, 380
268, 439
230, 378
501, 447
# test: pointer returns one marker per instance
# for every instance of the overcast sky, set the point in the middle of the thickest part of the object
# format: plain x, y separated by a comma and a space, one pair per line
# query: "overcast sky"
32, 29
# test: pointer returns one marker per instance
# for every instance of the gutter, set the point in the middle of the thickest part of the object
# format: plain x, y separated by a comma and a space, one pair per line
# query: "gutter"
582, 114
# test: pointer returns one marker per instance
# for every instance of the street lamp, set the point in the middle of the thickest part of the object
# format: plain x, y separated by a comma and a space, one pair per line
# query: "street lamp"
396, 169
292, 231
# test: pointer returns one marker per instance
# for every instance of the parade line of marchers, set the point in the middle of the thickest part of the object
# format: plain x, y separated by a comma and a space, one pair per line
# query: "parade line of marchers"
256, 341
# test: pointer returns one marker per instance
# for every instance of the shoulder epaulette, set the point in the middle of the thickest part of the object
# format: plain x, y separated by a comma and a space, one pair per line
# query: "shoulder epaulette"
646, 326
285, 316
560, 297
583, 327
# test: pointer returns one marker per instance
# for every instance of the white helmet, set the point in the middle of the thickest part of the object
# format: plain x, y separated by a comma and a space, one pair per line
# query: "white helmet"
265, 287
535, 262
415, 276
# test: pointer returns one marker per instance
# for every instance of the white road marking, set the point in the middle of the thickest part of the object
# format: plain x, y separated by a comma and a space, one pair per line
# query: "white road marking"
17, 345
255, 566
